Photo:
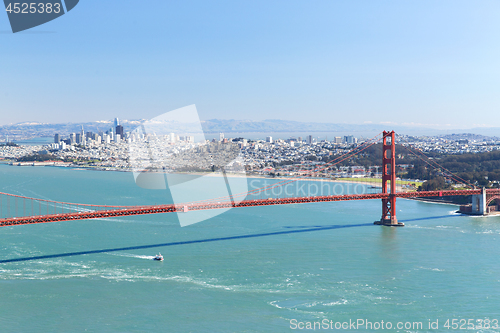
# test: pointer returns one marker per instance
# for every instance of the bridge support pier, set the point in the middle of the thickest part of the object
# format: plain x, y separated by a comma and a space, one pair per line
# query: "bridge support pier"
389, 161
479, 203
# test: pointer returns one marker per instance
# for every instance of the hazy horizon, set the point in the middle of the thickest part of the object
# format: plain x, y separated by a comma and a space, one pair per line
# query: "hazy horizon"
252, 129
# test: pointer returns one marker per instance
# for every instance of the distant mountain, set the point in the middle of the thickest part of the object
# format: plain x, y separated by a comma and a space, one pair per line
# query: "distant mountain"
486, 131
275, 125
468, 136
28, 130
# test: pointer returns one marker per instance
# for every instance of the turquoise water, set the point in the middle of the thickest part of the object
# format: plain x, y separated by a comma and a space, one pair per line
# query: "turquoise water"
306, 262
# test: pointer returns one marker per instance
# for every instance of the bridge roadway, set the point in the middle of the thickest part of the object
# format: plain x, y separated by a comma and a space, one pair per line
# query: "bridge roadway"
182, 208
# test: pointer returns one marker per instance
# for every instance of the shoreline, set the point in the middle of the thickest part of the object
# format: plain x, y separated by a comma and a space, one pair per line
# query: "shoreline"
440, 202
210, 174
251, 176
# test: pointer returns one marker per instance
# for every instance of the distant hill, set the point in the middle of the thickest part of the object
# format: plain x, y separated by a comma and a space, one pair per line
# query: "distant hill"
468, 136
29, 130
275, 125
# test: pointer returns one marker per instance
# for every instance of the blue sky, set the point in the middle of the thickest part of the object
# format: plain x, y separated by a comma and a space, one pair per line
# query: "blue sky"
427, 63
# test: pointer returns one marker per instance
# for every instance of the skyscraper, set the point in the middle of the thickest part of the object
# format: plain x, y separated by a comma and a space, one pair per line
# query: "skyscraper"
119, 130
57, 138
116, 123
83, 139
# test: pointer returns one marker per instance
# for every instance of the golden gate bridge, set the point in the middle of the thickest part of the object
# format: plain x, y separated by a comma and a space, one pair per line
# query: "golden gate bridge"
21, 210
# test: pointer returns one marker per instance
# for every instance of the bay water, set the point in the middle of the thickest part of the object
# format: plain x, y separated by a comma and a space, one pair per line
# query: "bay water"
258, 269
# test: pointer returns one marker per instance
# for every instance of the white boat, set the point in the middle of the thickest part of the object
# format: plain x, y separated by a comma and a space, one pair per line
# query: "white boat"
158, 257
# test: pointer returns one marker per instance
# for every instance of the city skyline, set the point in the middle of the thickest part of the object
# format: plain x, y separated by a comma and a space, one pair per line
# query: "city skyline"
274, 128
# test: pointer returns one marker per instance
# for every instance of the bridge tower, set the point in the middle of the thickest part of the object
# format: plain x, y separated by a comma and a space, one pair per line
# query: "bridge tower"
389, 174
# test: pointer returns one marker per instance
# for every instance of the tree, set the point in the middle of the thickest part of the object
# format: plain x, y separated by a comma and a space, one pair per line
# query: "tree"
437, 183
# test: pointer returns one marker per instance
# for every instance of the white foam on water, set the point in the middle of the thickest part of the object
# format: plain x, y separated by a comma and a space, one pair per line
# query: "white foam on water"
294, 307
341, 302
438, 228
419, 268
273, 303
130, 255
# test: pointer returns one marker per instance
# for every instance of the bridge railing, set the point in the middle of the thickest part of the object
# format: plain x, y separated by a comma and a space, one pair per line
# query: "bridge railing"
16, 206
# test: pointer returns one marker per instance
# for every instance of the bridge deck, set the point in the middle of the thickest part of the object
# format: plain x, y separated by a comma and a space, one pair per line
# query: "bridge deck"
157, 209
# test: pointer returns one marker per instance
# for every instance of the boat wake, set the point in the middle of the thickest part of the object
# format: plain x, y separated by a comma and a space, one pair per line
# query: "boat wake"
130, 255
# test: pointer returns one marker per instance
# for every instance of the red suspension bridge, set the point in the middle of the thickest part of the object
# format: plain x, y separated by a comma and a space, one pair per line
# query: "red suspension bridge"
20, 210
